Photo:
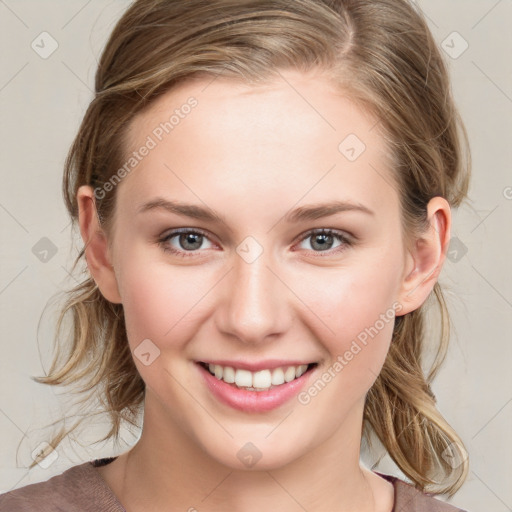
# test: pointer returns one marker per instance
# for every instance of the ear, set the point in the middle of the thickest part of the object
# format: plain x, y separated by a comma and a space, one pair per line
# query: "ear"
97, 252
425, 257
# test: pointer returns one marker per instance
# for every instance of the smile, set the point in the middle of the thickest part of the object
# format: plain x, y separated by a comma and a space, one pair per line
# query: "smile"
256, 381
255, 391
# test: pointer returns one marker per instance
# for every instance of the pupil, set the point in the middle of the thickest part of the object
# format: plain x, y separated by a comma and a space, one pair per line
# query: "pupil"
190, 238
323, 240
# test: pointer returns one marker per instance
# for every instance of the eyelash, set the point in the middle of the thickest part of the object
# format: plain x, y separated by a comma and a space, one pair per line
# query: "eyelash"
345, 241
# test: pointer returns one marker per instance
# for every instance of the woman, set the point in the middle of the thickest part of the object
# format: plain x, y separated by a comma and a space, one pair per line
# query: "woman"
264, 192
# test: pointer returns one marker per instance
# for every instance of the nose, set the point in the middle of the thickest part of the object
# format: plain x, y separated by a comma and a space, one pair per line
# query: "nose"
254, 306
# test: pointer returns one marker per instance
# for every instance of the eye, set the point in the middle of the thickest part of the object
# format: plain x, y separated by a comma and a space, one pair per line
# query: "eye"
323, 240
184, 242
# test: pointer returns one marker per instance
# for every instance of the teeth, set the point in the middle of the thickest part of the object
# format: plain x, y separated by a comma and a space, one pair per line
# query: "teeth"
229, 375
301, 369
242, 378
262, 379
290, 373
277, 377
257, 381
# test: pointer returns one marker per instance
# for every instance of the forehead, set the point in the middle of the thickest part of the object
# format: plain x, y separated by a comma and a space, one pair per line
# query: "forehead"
293, 137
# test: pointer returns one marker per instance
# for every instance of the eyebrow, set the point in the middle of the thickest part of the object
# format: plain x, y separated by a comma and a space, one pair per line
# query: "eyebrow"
324, 210
187, 210
303, 213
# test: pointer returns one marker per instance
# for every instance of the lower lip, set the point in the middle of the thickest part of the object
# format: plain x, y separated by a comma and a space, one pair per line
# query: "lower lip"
253, 401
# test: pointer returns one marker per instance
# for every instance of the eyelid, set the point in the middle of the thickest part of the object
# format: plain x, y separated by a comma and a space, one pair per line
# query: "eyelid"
169, 233
329, 231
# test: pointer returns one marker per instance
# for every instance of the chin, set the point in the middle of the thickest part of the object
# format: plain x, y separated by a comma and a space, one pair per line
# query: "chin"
255, 452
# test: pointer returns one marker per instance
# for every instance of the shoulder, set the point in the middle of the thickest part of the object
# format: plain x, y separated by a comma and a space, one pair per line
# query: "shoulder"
410, 499
79, 489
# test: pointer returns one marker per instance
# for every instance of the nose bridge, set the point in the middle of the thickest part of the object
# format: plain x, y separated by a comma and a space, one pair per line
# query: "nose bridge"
255, 302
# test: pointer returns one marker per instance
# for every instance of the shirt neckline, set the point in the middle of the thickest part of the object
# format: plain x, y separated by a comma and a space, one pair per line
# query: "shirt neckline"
92, 465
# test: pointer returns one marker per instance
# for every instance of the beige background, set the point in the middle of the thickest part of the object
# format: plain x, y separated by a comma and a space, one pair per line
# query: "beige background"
42, 101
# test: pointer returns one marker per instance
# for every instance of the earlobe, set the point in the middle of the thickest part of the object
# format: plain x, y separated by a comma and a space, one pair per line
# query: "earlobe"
426, 257
96, 246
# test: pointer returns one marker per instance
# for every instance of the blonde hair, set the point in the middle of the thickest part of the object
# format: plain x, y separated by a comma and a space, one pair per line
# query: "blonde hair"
382, 54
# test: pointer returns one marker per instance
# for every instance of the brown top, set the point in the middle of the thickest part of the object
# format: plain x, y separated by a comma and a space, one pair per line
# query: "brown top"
82, 489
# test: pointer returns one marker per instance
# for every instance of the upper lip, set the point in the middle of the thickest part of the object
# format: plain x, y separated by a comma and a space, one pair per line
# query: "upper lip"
254, 366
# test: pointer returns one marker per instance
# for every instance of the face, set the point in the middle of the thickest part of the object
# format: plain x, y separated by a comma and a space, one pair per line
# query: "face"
261, 231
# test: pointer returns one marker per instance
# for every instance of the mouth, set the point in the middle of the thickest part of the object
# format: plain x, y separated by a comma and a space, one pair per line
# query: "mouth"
262, 380
266, 386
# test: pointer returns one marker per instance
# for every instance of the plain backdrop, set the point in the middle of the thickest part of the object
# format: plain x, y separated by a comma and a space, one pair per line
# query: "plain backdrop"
45, 88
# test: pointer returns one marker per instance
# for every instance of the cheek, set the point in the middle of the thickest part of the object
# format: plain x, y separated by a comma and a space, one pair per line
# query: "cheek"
347, 301
360, 312
160, 302
355, 310
164, 305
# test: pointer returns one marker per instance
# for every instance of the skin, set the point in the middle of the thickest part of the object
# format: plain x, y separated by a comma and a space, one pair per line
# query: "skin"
252, 154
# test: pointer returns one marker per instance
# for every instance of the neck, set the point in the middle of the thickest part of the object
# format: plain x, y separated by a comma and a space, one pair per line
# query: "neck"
167, 466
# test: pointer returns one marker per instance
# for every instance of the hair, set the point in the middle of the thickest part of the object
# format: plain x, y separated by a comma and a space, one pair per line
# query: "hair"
382, 55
